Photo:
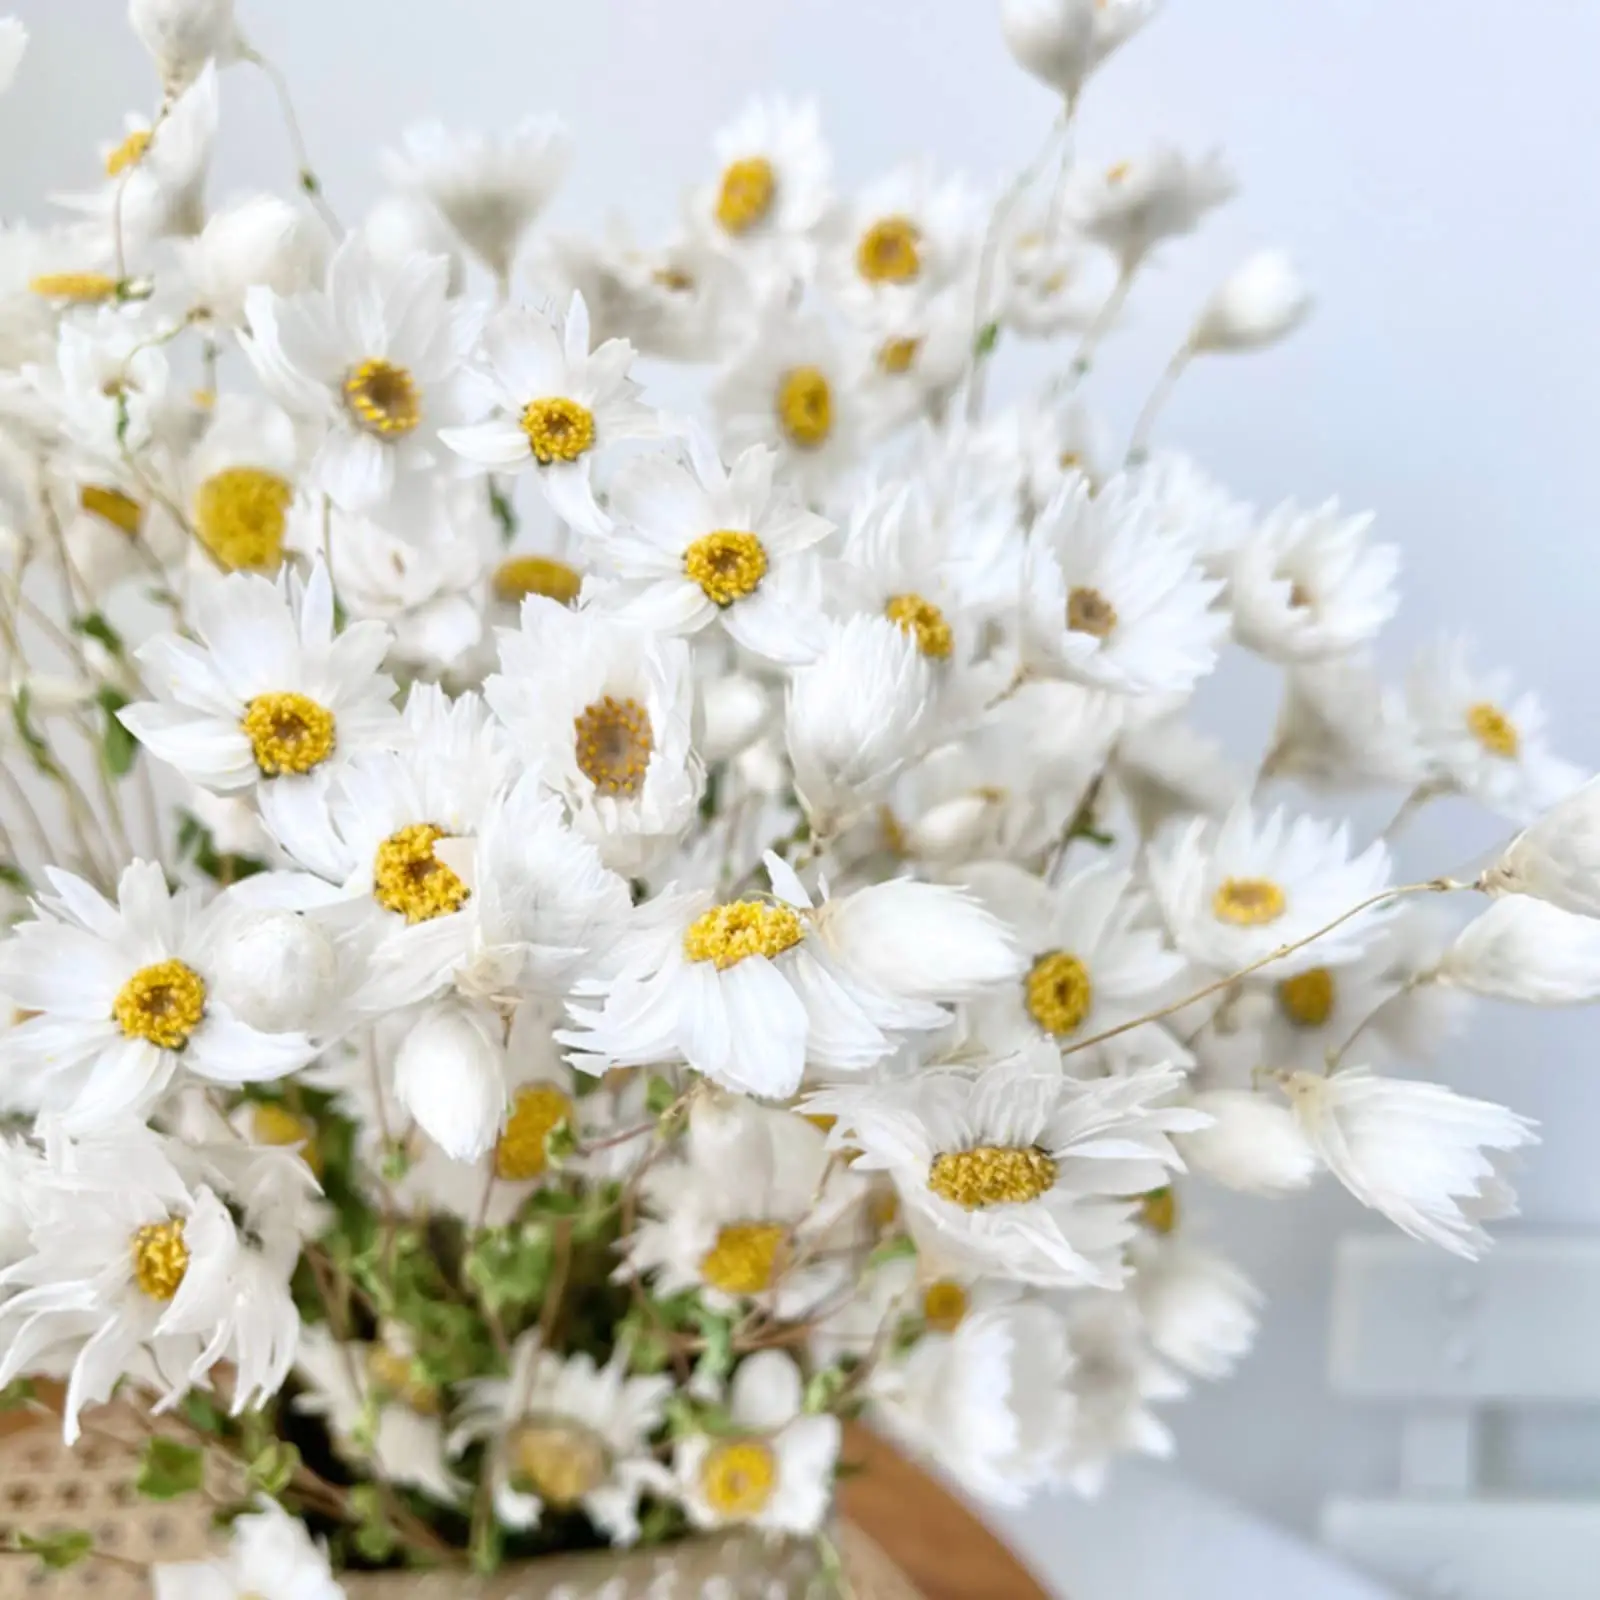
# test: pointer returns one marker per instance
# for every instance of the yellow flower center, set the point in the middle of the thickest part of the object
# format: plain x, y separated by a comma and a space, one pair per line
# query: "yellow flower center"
1307, 999
239, 516
944, 1305
890, 251
1158, 1210
727, 934
673, 279
747, 1258
748, 189
394, 1377
160, 1258
805, 406
122, 511
537, 1110
272, 1124
1059, 993
288, 732
612, 741
738, 1478
1494, 730
1088, 611
520, 576
81, 288
991, 1175
1117, 173
383, 398
1249, 902
129, 153
924, 621
560, 1462
557, 429
162, 1004
409, 879
898, 356
726, 564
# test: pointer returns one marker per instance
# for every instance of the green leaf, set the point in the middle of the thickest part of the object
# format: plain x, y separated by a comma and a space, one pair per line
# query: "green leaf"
988, 338
201, 1412
13, 877
16, 1393
56, 1551
195, 842
168, 1469
94, 626
374, 1538
32, 740
273, 1469
823, 1389
503, 511
118, 747
659, 1096
716, 1360
560, 1144
897, 1249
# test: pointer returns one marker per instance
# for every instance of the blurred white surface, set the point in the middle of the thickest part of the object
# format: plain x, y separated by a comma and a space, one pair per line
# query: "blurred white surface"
1430, 166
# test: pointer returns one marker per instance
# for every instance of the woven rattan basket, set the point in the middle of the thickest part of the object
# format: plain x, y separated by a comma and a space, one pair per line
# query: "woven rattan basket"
46, 1488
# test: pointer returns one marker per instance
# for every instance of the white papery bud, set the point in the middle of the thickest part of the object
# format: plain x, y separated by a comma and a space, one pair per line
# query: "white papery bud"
275, 970
949, 829
449, 1073
183, 35
258, 240
1062, 41
1525, 949
735, 709
402, 225
1253, 1144
1262, 301
1199, 1309
1558, 858
854, 716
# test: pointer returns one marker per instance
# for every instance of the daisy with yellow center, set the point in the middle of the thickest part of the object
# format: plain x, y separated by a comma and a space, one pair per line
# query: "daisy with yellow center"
738, 1478
613, 740
729, 934
746, 194
991, 1175
1059, 993
129, 153
805, 406
1249, 902
383, 398
288, 733
410, 880
944, 1305
240, 514
162, 1004
160, 1259
522, 1153
519, 576
747, 1258
1308, 998
923, 621
1494, 730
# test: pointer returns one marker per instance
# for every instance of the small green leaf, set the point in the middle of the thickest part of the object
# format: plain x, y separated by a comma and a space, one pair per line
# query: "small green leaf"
32, 740
309, 181
56, 1551
16, 1393
273, 1469
118, 747
13, 877
659, 1096
503, 511
898, 1249
988, 338
94, 626
560, 1144
168, 1469
201, 1412
374, 1538
716, 1360
823, 1389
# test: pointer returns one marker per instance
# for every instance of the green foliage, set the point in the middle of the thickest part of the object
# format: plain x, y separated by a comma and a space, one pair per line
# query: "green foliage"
118, 747
13, 877
272, 1468
988, 337
659, 1095
168, 1469
823, 1390
503, 511
373, 1537
93, 625
897, 1249
510, 1267
33, 741
195, 843
19, 1392
716, 1360
56, 1551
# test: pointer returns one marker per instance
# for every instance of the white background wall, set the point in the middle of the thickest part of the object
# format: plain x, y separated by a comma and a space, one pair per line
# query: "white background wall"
1432, 164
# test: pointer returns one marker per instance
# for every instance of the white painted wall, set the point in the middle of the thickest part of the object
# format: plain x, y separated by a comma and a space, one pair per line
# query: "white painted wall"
1431, 163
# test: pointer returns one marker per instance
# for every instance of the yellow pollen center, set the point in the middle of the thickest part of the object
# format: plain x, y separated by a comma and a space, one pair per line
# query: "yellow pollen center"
898, 356
1249, 902
748, 189
239, 516
557, 429
1088, 611
521, 576
1307, 999
537, 1110
81, 288
1117, 173
558, 1461
288, 732
129, 153
278, 1126
395, 1377
727, 564
924, 622
160, 1258
991, 1175
162, 1004
1059, 993
944, 1305
727, 934
122, 511
890, 251
612, 741
738, 1477
409, 879
805, 407
383, 398
1158, 1210
1494, 730
747, 1258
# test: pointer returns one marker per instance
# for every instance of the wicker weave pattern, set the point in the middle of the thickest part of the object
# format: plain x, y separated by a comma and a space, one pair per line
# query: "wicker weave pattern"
46, 1488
